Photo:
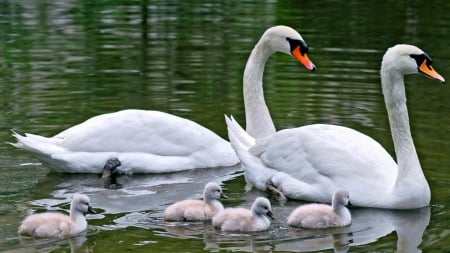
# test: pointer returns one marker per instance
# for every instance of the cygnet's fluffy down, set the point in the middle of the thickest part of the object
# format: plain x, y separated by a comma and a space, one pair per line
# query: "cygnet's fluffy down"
197, 210
53, 224
241, 219
321, 215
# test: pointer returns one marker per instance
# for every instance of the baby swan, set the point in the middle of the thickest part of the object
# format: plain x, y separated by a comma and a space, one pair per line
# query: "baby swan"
197, 210
52, 224
321, 215
241, 219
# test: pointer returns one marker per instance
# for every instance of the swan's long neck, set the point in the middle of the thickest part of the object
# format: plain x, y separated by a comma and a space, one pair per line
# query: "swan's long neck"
410, 174
257, 115
78, 220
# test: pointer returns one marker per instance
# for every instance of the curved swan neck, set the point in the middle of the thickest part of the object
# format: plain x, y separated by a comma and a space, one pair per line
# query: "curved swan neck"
78, 220
258, 120
395, 98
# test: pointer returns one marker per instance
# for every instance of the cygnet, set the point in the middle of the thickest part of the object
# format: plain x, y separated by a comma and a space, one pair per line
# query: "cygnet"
197, 210
322, 215
53, 224
241, 219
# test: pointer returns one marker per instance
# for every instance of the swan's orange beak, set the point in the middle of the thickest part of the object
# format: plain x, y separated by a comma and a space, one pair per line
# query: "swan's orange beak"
303, 59
428, 70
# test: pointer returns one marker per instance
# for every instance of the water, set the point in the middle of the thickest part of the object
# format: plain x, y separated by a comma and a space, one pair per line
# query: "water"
63, 62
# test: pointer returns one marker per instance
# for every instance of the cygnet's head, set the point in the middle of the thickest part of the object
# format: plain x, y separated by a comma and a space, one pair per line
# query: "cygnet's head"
261, 206
286, 40
82, 203
213, 191
341, 198
408, 59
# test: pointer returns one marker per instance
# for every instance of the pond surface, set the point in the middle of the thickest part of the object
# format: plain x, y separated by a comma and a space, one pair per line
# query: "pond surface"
63, 62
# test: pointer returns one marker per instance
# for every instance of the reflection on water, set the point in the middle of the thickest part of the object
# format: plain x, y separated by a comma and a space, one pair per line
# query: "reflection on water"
76, 244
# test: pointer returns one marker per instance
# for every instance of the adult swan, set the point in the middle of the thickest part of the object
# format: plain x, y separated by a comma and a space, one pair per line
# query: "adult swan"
313, 161
139, 141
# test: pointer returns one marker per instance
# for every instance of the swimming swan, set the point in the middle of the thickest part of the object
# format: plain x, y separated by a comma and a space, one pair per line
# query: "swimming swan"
282, 39
52, 224
197, 210
321, 215
143, 142
311, 162
157, 142
242, 219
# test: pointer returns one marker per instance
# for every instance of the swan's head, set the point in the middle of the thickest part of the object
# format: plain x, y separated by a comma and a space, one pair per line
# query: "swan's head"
286, 40
82, 204
261, 206
341, 198
213, 191
408, 59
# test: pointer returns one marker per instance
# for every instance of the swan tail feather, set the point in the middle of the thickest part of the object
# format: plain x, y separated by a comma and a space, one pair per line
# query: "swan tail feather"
256, 172
239, 138
36, 144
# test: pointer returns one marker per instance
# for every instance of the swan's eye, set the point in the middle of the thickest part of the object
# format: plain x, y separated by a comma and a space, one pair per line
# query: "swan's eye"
420, 58
294, 43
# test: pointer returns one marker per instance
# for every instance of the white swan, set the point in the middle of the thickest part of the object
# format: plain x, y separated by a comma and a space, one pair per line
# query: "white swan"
52, 224
245, 220
313, 161
321, 215
282, 39
157, 142
197, 210
143, 142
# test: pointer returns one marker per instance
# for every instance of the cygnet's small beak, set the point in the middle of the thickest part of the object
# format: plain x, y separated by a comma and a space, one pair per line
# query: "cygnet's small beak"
270, 214
223, 196
349, 204
91, 210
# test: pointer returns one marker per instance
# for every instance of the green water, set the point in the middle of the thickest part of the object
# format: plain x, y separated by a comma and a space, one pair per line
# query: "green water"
63, 62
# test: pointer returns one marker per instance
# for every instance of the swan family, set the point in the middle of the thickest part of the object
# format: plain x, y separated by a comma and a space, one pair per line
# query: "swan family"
311, 162
58, 225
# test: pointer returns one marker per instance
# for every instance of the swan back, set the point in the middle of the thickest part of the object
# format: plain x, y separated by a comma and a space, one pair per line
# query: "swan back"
241, 219
52, 224
197, 210
321, 215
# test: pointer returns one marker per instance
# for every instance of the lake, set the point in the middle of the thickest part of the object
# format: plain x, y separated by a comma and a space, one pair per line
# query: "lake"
63, 62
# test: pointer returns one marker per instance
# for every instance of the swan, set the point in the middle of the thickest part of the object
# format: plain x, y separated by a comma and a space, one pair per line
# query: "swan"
197, 210
52, 224
143, 141
279, 38
311, 162
321, 215
244, 220
157, 142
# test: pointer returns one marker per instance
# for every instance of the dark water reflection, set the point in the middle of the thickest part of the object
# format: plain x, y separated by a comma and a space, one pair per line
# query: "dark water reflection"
65, 61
